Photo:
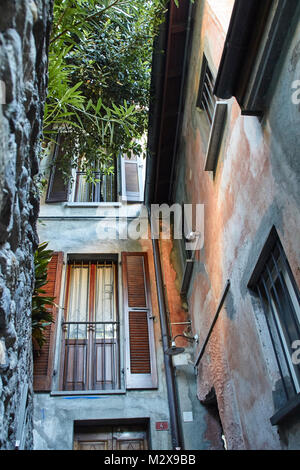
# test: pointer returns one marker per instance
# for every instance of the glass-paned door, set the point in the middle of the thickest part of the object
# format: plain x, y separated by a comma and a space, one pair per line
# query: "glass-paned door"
91, 328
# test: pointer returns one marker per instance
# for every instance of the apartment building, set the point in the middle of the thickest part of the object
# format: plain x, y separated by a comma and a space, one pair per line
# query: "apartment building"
160, 346
229, 142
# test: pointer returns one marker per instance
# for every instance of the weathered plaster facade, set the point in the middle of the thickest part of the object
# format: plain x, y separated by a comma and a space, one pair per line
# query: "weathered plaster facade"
92, 230
24, 35
255, 186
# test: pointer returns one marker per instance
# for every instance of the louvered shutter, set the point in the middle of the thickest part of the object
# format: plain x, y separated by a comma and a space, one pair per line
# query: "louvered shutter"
140, 352
43, 362
132, 178
58, 189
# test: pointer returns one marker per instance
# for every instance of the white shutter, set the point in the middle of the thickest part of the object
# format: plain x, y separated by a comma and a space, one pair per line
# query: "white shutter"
132, 178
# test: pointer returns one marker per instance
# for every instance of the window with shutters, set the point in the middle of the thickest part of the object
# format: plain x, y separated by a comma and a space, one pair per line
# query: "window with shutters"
104, 184
43, 359
91, 342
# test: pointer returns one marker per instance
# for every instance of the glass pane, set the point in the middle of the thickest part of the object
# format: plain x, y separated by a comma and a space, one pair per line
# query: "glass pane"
286, 317
105, 308
78, 304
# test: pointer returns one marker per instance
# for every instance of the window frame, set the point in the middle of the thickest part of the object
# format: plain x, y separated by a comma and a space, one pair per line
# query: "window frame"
93, 259
96, 190
205, 72
262, 283
216, 121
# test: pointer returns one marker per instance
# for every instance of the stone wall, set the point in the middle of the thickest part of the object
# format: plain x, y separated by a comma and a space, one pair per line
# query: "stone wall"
24, 36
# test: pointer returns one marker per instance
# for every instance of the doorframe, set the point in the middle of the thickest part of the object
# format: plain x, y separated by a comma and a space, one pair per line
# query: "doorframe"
83, 425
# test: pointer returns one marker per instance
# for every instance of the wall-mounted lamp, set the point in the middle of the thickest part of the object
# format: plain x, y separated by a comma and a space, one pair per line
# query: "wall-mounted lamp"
174, 350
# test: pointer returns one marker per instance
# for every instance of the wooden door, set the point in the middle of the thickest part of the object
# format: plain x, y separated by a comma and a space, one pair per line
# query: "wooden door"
130, 437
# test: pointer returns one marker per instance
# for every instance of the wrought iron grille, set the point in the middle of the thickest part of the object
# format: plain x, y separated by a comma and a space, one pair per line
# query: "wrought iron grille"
91, 356
206, 99
279, 297
102, 190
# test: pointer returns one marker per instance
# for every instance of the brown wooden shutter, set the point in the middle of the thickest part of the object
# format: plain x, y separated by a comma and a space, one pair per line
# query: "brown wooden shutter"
58, 189
43, 363
140, 352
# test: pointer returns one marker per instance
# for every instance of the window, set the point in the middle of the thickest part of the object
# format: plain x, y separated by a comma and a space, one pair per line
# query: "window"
91, 341
215, 114
279, 296
103, 188
124, 175
90, 353
206, 99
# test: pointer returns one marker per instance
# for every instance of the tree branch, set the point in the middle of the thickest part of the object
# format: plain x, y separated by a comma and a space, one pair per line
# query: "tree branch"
88, 18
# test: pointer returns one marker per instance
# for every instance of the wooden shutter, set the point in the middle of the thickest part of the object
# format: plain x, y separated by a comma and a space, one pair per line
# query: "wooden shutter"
132, 178
58, 189
43, 362
140, 352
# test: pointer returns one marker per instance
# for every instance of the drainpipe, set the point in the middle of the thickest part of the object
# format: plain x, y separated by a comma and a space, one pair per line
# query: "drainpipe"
181, 96
177, 441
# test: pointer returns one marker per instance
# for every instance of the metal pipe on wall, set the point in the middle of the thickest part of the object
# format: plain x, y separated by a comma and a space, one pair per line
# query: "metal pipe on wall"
177, 441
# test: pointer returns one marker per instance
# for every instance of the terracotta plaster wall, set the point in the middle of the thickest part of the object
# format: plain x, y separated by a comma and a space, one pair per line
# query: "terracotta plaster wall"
254, 187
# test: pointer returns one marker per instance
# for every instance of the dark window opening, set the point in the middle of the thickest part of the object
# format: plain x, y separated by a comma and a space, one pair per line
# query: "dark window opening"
206, 99
275, 286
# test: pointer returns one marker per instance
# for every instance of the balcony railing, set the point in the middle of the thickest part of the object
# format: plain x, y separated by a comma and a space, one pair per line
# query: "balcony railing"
103, 190
90, 356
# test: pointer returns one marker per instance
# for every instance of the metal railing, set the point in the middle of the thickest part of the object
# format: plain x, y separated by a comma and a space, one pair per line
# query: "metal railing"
90, 356
102, 190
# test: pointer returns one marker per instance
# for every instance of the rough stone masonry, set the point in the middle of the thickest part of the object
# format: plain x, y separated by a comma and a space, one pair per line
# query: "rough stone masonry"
24, 36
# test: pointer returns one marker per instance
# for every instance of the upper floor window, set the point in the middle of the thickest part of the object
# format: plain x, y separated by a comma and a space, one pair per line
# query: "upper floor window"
206, 99
279, 296
215, 114
99, 185
122, 179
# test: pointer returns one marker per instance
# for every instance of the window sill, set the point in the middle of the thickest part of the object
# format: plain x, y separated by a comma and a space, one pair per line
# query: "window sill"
93, 204
286, 411
86, 393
